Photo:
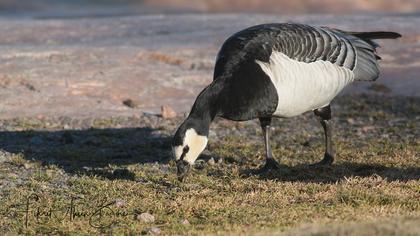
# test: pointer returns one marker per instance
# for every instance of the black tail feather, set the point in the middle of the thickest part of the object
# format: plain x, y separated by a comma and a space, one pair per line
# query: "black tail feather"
376, 35
370, 36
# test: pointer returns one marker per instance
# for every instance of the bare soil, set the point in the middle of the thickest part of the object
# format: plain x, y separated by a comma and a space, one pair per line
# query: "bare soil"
89, 67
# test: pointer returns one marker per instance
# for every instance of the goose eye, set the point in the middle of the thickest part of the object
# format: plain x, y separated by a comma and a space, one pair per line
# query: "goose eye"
186, 149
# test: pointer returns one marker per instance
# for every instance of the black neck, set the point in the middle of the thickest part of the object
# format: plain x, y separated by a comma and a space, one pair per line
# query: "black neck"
205, 108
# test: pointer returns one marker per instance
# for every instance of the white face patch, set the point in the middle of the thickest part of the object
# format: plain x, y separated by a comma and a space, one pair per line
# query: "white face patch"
196, 144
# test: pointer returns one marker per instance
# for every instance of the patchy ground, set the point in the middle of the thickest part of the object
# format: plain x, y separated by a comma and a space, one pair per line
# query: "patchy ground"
102, 175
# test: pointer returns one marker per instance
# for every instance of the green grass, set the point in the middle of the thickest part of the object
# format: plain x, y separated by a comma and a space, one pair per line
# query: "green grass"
374, 183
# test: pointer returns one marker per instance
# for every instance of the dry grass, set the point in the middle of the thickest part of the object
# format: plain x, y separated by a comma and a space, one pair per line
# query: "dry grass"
374, 187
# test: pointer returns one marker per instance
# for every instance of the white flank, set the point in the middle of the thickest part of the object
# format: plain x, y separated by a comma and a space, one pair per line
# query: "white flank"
196, 144
304, 86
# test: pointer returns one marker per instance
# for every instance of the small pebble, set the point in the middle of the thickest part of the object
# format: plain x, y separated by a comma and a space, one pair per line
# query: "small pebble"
185, 222
28, 165
167, 112
153, 230
367, 128
350, 120
146, 217
119, 203
211, 161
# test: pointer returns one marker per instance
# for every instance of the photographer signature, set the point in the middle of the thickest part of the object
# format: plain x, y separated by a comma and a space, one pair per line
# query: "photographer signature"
102, 215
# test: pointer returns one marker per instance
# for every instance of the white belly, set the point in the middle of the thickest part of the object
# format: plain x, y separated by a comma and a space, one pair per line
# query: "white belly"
304, 86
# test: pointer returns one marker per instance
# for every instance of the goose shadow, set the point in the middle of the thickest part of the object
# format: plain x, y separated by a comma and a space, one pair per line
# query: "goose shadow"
90, 151
337, 172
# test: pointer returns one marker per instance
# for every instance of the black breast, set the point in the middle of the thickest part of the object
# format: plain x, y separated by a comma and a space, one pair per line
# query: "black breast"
248, 92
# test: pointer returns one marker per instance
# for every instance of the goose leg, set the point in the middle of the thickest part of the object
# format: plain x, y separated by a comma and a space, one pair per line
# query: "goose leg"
324, 115
270, 163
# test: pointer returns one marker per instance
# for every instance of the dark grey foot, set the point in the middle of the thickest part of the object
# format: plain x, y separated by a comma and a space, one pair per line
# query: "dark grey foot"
327, 161
270, 165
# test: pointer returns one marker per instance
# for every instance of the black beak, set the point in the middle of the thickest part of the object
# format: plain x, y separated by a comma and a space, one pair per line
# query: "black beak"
183, 168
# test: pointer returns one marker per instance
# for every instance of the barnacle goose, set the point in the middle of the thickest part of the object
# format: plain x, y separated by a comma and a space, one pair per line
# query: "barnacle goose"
278, 70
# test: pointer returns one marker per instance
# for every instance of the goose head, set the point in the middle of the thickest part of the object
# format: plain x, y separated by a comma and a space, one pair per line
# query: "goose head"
187, 145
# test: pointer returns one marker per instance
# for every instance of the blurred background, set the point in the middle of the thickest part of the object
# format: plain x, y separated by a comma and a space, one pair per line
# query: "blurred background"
97, 8
100, 58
